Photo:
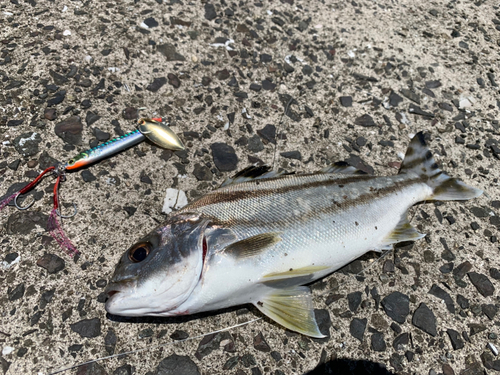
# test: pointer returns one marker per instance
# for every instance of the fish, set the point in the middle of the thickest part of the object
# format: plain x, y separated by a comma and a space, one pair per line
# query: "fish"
263, 236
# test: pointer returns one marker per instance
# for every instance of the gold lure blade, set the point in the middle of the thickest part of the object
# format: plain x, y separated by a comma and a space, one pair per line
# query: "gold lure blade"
160, 134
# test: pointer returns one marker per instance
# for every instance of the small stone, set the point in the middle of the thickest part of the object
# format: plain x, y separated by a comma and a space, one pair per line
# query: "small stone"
440, 293
462, 302
151, 22
130, 113
455, 338
70, 130
210, 12
50, 114
255, 87
52, 263
224, 157
24, 222
378, 342
461, 270
100, 135
255, 144
433, 84
292, 155
365, 120
265, 58
179, 335
173, 80
482, 283
260, 343
346, 101
354, 300
268, 133
268, 85
91, 118
157, 84
479, 211
401, 341
87, 176
27, 143
476, 328
170, 52
87, 327
411, 95
16, 293
394, 99
495, 273
489, 310
202, 172
15, 122
424, 319
357, 328
110, 341
210, 343
177, 365
397, 306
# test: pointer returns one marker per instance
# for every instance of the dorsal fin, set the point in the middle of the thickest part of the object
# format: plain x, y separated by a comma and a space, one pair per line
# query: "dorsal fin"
253, 173
341, 167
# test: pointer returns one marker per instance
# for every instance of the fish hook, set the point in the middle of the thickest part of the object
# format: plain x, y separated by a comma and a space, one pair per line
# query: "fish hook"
67, 216
22, 208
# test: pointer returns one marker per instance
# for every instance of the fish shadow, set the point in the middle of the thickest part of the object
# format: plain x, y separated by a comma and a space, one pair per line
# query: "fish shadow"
167, 320
342, 366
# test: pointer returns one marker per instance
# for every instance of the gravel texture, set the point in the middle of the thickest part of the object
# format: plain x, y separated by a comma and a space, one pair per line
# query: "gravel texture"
291, 83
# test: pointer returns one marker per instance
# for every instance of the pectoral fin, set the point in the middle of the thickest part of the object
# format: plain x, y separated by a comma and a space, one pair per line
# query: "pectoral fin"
293, 309
252, 245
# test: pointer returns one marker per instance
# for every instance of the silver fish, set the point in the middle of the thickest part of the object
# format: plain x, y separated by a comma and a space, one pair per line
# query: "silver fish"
262, 236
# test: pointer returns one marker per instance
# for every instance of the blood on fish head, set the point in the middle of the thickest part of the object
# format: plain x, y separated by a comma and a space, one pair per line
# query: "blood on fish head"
159, 272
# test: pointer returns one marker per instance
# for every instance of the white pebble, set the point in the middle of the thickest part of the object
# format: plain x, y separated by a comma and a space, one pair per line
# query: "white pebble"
7, 350
493, 348
64, 9
174, 199
89, 59
144, 26
67, 32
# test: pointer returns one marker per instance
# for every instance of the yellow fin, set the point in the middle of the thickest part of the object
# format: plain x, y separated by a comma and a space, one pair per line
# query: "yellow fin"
292, 308
403, 232
292, 273
252, 245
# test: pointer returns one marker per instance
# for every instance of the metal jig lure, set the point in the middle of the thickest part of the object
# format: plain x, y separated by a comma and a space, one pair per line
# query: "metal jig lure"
152, 129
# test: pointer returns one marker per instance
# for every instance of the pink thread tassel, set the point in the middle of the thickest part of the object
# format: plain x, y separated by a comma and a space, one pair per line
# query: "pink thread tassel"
57, 233
7, 200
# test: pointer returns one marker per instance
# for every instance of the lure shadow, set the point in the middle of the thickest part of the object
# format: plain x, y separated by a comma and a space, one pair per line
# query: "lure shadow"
342, 366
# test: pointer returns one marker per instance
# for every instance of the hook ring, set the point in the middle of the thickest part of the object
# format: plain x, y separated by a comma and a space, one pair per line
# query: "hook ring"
22, 208
67, 216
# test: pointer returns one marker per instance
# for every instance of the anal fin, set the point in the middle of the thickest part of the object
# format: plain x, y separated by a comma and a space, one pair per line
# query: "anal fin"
292, 308
403, 231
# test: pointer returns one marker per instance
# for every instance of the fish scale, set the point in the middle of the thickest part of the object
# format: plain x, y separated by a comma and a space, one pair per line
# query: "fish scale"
263, 236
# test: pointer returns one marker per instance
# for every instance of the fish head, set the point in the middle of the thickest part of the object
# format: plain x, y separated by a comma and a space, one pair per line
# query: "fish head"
158, 273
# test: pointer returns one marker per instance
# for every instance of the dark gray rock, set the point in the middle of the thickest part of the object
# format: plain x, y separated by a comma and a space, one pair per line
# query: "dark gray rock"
87, 327
479, 211
14, 122
91, 117
27, 143
440, 293
87, 176
23, 222
411, 95
462, 301
268, 85
177, 365
255, 144
354, 300
174, 80
324, 323
357, 328
495, 273
211, 342
292, 155
51, 262
378, 342
110, 341
461, 270
130, 113
394, 99
202, 172
455, 338
16, 293
260, 343
58, 78
489, 310
397, 306
157, 84
268, 133
170, 52
346, 101
58, 98
476, 328
482, 283
424, 319
210, 12
433, 84
124, 370
365, 121
101, 135
401, 342
45, 160
70, 130
416, 110
224, 157
179, 335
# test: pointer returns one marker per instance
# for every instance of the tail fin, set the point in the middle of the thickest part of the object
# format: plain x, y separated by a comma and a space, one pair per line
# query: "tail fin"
418, 160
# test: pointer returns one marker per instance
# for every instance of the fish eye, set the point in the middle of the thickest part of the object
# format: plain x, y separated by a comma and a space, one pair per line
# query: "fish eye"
139, 252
